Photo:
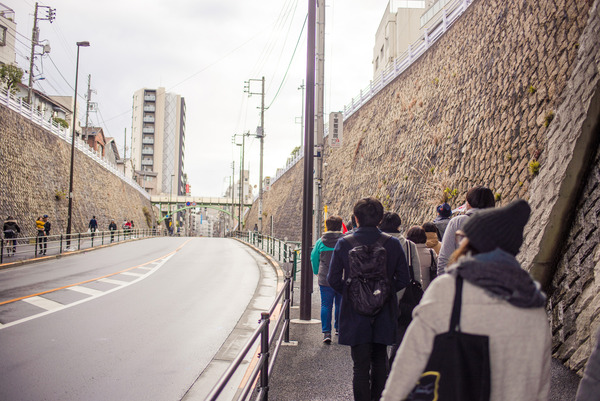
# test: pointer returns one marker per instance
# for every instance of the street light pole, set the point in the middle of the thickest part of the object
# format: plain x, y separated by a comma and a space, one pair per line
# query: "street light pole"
70, 212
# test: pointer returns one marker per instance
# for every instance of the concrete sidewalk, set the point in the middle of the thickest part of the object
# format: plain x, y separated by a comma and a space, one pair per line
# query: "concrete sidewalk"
314, 371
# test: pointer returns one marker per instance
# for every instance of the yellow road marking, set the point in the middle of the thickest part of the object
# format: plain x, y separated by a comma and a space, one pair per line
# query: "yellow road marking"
95, 279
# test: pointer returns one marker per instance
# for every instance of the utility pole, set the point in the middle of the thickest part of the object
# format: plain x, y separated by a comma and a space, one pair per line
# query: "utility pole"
232, 193
302, 118
306, 278
124, 151
90, 106
320, 124
35, 38
260, 133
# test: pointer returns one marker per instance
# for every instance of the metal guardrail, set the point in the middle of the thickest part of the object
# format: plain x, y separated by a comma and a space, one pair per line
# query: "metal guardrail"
24, 248
285, 252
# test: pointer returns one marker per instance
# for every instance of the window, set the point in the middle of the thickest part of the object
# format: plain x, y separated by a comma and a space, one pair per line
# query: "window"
2, 35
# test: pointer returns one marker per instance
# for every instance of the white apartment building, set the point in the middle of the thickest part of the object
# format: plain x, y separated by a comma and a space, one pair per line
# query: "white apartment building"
400, 26
8, 31
158, 141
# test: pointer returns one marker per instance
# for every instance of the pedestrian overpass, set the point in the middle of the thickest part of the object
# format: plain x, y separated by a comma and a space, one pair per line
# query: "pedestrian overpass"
170, 204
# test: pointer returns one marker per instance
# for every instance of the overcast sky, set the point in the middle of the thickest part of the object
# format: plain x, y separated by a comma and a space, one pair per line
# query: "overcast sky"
203, 50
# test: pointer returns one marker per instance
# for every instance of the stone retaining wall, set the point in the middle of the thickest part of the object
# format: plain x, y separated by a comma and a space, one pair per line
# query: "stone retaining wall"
34, 180
507, 98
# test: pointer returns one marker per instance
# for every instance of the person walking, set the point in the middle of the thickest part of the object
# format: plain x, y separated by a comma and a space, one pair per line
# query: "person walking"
39, 239
47, 227
433, 237
478, 197
112, 227
368, 336
500, 300
444, 211
11, 230
93, 225
320, 258
589, 386
427, 257
126, 228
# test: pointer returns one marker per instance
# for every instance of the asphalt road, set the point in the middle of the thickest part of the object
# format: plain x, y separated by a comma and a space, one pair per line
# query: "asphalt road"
146, 332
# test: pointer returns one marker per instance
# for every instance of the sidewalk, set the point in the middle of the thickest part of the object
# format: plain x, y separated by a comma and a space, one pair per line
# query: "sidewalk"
318, 372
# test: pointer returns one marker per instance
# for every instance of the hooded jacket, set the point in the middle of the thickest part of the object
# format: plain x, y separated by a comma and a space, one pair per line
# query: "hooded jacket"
320, 257
519, 337
11, 226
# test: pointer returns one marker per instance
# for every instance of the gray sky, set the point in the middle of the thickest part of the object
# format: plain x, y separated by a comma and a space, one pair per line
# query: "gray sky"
203, 50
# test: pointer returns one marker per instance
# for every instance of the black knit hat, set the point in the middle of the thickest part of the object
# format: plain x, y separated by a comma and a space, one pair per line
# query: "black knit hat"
501, 227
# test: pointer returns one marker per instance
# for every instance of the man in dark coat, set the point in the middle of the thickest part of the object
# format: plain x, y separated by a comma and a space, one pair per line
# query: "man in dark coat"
367, 336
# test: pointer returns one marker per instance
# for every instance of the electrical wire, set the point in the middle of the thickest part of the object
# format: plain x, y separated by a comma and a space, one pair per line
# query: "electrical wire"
290, 63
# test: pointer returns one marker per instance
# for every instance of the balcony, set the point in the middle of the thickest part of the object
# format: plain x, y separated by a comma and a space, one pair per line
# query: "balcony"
149, 119
147, 162
148, 141
148, 130
150, 98
150, 108
147, 151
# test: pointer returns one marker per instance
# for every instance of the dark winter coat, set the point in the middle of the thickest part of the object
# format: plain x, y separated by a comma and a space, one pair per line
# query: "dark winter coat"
11, 226
357, 329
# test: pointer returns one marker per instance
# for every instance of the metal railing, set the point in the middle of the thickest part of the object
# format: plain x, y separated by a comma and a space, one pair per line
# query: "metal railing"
23, 248
27, 110
269, 339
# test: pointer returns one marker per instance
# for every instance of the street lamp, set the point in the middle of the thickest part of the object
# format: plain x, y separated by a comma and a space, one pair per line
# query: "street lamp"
79, 44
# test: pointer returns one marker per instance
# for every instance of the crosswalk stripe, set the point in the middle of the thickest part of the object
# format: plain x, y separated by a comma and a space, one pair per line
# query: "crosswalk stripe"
113, 281
145, 268
43, 303
133, 274
85, 290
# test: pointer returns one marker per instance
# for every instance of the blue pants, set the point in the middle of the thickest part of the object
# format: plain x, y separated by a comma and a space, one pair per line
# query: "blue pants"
329, 296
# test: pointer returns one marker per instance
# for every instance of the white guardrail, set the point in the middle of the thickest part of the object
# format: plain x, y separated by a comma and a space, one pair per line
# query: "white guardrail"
452, 11
27, 111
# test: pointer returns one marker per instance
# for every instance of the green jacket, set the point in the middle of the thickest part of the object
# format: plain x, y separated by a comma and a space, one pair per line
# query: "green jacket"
321, 255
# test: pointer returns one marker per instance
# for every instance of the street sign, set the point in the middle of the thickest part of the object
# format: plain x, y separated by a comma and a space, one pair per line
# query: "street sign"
187, 203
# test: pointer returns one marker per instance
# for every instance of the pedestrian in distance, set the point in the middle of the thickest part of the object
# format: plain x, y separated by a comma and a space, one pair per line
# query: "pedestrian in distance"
112, 227
11, 230
478, 197
500, 301
433, 237
368, 334
47, 227
126, 228
39, 239
93, 225
320, 258
444, 211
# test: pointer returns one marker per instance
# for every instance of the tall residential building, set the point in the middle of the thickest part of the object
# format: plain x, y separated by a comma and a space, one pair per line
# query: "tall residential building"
8, 29
158, 141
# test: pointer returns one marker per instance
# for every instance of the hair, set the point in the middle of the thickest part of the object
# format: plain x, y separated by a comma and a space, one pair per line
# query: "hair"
429, 227
390, 222
481, 197
93, 217
464, 248
417, 235
333, 223
368, 212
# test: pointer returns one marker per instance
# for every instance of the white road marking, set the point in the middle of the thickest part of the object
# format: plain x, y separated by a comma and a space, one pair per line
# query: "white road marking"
112, 281
84, 290
102, 293
43, 303
133, 274
145, 268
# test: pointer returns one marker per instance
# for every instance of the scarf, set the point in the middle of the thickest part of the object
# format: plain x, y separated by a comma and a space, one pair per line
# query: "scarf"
501, 276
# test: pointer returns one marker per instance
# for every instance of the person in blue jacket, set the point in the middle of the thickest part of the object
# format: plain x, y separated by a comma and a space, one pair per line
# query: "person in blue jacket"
320, 258
368, 337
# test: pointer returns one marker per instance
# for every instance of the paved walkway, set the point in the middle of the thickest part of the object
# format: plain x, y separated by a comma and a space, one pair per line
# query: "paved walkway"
315, 371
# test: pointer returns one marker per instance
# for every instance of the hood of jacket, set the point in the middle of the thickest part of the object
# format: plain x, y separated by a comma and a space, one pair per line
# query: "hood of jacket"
501, 276
330, 238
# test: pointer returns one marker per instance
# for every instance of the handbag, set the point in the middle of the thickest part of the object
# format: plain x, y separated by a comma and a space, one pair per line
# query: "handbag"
432, 267
412, 294
459, 365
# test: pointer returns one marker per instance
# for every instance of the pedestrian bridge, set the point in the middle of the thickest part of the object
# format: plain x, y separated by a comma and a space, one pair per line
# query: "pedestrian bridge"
171, 204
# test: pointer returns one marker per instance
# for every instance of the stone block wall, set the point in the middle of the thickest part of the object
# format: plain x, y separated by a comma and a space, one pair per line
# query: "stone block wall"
35, 169
507, 98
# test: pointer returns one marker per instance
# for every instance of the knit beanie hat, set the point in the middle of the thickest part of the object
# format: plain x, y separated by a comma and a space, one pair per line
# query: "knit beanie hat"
501, 227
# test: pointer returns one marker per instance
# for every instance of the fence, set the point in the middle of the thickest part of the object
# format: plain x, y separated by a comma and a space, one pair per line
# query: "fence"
26, 110
12, 249
451, 12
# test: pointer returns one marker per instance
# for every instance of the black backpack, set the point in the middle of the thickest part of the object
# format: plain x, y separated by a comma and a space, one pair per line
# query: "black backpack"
368, 284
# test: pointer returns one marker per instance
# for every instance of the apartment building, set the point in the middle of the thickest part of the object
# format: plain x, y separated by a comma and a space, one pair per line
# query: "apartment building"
8, 29
158, 141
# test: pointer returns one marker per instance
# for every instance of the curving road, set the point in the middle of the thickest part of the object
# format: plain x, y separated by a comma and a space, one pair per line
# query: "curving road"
135, 321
